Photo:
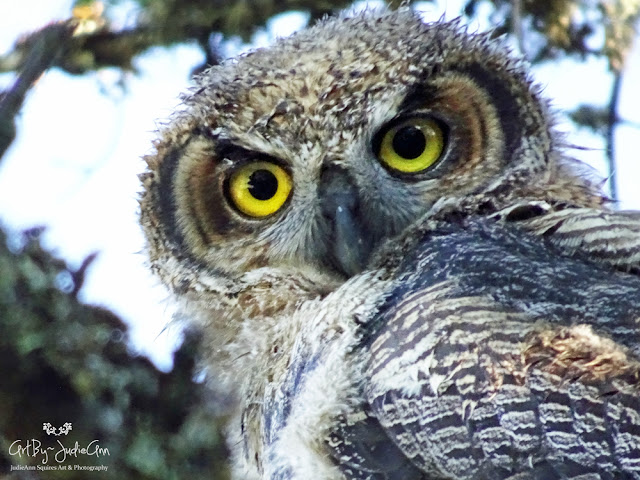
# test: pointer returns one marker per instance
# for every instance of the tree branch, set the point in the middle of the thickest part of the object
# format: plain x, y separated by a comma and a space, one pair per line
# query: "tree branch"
516, 25
51, 41
612, 123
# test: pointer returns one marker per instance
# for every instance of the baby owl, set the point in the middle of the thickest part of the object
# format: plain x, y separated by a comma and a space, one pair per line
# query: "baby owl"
397, 271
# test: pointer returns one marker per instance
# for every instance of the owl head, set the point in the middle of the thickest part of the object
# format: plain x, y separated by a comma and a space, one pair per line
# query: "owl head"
309, 155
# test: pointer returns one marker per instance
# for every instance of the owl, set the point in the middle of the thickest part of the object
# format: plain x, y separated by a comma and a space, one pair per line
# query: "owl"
397, 270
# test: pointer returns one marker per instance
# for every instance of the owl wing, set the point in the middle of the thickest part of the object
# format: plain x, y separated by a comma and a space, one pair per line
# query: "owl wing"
496, 357
606, 237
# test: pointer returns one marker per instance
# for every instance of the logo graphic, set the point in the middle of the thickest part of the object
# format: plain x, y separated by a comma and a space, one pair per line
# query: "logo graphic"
53, 454
63, 430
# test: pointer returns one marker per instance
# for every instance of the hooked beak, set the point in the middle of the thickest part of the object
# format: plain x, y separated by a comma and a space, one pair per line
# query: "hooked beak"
350, 241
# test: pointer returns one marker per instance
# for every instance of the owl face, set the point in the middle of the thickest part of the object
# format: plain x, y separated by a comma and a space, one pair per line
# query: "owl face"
311, 154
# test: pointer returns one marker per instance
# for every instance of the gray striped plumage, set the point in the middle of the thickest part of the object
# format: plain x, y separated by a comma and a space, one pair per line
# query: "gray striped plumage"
497, 357
609, 238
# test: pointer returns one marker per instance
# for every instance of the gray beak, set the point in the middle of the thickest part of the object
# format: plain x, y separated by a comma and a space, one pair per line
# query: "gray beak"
350, 242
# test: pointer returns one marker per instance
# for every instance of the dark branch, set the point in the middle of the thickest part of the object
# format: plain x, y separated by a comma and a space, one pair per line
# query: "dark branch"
612, 123
51, 41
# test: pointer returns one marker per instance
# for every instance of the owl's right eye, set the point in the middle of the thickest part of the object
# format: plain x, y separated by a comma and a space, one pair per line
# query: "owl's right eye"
259, 189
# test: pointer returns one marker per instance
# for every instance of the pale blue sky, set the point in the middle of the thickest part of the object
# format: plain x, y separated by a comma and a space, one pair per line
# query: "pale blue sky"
74, 164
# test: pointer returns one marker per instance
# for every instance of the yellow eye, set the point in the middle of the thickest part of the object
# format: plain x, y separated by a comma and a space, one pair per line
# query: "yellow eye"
412, 146
259, 189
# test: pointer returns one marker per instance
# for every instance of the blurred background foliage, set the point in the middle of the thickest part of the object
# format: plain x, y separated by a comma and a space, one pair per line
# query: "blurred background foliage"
65, 362
62, 361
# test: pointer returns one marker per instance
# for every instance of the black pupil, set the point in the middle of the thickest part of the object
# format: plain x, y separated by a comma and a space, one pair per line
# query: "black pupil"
409, 142
263, 184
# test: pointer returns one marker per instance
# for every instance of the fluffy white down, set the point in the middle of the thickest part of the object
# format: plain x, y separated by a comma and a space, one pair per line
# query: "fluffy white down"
330, 390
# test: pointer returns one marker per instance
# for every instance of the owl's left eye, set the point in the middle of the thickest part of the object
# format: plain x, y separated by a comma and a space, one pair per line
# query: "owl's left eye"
412, 145
259, 189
